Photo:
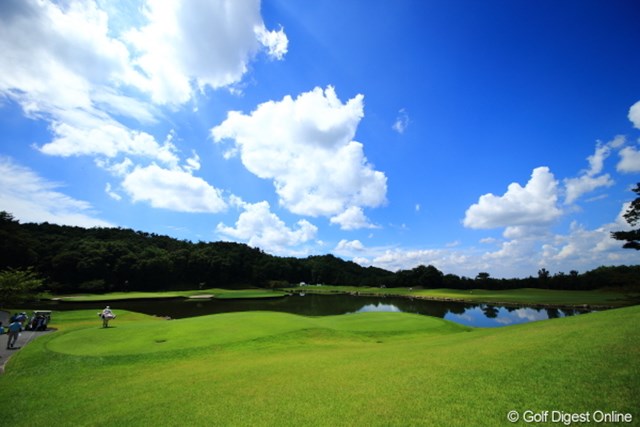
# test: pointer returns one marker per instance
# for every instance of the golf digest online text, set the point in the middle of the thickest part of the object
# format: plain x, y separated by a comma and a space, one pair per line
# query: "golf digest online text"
568, 418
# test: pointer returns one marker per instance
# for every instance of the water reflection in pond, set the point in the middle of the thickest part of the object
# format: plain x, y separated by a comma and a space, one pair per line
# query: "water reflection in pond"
480, 315
490, 316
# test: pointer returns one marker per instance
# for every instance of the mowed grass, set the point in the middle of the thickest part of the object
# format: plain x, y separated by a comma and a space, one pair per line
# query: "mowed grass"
264, 368
209, 293
523, 296
510, 296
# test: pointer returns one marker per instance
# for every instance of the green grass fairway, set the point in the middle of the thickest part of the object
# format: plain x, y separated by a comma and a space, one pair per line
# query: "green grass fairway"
207, 293
524, 296
368, 369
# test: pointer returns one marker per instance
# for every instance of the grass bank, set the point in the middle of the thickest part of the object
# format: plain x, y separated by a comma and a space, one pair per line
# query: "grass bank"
201, 293
525, 296
264, 368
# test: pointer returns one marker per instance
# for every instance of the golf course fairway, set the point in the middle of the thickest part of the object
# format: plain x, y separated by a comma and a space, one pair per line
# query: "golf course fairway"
267, 368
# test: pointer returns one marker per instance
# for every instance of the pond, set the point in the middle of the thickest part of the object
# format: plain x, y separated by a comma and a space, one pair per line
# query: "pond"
478, 315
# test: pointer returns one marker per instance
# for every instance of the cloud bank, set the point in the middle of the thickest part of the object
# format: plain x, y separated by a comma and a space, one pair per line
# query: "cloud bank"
114, 71
31, 198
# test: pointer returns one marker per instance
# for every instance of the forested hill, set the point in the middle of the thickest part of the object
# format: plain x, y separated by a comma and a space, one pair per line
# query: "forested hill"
114, 259
72, 259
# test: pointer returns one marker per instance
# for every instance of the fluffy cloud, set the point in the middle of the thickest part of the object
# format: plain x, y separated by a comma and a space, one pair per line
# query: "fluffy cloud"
43, 42
202, 41
348, 246
31, 198
446, 260
276, 42
534, 204
518, 255
306, 146
590, 179
82, 67
634, 114
576, 187
584, 249
207, 41
259, 227
514, 257
120, 169
629, 160
172, 189
109, 139
352, 219
579, 249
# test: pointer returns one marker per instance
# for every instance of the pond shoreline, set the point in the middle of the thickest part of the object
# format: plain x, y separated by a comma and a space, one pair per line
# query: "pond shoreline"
462, 300
515, 300
333, 303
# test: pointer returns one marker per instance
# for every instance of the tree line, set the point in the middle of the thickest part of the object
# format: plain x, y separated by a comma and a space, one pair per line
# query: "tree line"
76, 259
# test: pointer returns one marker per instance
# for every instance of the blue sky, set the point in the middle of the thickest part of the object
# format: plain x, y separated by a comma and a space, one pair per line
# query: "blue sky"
496, 136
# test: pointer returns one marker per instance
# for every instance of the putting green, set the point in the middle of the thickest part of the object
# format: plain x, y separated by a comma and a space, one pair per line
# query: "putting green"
156, 336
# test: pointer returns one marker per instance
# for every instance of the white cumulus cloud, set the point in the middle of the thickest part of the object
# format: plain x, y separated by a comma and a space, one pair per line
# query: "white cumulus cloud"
585, 249
634, 115
259, 227
576, 187
353, 218
533, 204
446, 260
109, 139
591, 178
209, 42
348, 246
305, 145
172, 189
629, 160
276, 42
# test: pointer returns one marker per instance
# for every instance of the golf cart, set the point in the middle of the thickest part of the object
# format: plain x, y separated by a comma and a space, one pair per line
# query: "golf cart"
39, 320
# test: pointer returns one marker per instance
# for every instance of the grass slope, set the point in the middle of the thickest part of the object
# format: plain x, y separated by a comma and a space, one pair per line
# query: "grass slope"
261, 368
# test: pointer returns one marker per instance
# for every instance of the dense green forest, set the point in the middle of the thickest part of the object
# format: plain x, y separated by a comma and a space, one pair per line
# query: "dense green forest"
72, 259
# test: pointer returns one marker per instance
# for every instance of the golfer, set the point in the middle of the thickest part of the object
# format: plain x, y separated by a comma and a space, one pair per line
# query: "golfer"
106, 315
13, 332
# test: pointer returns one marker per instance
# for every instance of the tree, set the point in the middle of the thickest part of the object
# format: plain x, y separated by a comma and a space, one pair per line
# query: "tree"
17, 286
632, 216
483, 276
427, 277
543, 278
15, 246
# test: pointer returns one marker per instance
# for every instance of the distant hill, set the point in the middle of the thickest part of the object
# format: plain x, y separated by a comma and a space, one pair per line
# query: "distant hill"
115, 259
73, 259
